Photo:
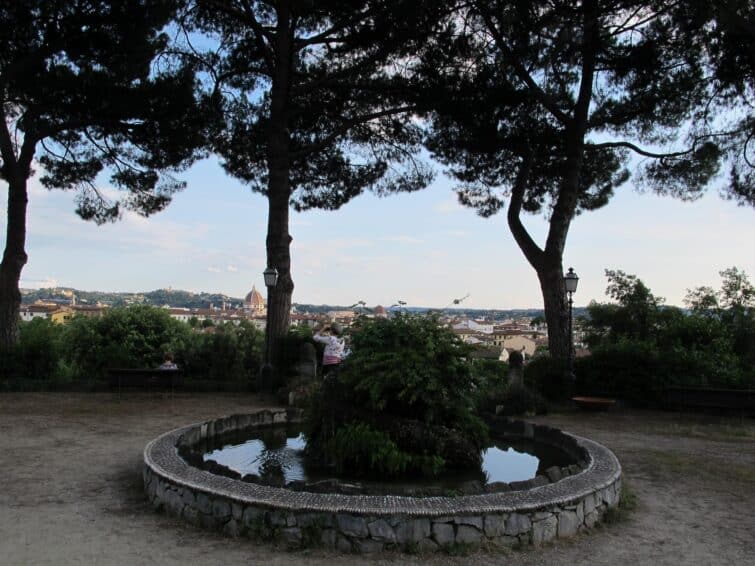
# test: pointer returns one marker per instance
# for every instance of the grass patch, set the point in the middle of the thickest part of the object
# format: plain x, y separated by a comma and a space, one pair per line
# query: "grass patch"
704, 467
627, 504
458, 549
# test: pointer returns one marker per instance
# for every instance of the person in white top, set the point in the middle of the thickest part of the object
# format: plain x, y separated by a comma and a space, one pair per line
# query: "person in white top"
335, 347
168, 363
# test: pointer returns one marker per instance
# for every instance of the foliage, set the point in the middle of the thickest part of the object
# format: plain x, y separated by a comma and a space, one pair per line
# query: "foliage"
547, 376
50, 355
123, 338
410, 366
522, 400
541, 106
640, 348
314, 110
80, 82
491, 381
360, 449
408, 380
83, 93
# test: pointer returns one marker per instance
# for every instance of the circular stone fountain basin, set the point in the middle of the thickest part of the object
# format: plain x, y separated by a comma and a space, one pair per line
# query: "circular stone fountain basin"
528, 512
275, 456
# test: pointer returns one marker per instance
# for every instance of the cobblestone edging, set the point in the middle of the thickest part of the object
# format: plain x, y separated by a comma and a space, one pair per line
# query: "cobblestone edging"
369, 523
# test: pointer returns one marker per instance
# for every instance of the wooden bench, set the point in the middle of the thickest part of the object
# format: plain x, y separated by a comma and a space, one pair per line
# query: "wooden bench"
147, 378
594, 403
742, 400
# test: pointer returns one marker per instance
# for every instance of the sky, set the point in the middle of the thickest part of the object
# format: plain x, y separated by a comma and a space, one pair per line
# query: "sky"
423, 248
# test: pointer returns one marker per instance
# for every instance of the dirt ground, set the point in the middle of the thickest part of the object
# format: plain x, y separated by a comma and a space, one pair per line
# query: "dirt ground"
71, 489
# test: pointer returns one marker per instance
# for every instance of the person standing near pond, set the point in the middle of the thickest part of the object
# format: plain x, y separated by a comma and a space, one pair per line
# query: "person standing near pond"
335, 347
168, 364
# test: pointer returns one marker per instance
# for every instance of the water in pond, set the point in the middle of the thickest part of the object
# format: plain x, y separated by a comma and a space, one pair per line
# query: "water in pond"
276, 450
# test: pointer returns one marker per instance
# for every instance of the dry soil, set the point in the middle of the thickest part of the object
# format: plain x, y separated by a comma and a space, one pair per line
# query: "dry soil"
71, 489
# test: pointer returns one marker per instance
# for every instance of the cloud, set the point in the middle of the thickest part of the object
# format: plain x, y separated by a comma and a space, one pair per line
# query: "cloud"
213, 270
458, 233
39, 283
447, 206
403, 239
232, 268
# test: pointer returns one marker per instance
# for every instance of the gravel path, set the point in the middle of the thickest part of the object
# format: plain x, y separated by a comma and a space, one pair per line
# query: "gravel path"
71, 489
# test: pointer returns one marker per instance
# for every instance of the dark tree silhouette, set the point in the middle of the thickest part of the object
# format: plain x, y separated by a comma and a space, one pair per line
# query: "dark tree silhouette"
80, 93
542, 104
317, 106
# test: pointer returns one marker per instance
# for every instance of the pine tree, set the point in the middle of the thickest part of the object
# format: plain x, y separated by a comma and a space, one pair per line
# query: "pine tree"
81, 93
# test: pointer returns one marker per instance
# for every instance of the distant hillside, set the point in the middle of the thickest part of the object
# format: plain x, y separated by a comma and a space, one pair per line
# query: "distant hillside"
187, 299
160, 297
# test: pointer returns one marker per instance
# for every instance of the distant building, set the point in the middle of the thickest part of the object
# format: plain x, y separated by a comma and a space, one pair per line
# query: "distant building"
380, 312
89, 311
56, 313
255, 302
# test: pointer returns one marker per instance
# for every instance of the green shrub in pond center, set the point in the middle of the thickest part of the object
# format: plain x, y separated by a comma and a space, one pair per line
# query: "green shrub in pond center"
402, 403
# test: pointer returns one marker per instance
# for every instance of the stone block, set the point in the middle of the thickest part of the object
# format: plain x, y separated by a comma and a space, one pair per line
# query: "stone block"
443, 533
232, 529
427, 545
495, 525
252, 517
351, 525
204, 504
291, 537
188, 497
328, 538
280, 519
553, 473
237, 510
589, 504
191, 516
544, 530
591, 519
568, 524
412, 530
472, 520
173, 503
368, 546
343, 544
517, 524
160, 491
381, 530
221, 509
466, 534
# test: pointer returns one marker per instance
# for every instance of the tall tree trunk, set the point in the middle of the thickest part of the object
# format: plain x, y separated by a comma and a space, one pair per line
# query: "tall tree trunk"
278, 256
279, 192
551, 276
14, 259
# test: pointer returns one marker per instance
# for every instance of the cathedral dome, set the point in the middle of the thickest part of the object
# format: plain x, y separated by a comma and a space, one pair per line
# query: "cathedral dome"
254, 300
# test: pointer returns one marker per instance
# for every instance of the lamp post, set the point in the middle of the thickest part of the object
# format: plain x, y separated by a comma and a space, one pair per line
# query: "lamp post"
570, 282
271, 279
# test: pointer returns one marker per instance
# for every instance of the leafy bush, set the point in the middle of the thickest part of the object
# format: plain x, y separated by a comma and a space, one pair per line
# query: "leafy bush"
405, 377
640, 348
36, 359
522, 400
133, 337
548, 377
51, 355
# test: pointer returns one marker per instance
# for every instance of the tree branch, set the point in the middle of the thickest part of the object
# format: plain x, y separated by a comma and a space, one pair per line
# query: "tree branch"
260, 34
345, 126
521, 72
531, 250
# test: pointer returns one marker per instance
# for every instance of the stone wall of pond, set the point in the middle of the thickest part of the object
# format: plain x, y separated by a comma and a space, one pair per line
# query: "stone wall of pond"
370, 523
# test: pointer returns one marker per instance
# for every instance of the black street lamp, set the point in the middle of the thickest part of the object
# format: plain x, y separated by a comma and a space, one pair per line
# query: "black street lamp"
570, 282
271, 279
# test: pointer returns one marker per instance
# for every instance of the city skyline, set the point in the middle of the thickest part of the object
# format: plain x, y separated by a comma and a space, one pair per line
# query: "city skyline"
423, 248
